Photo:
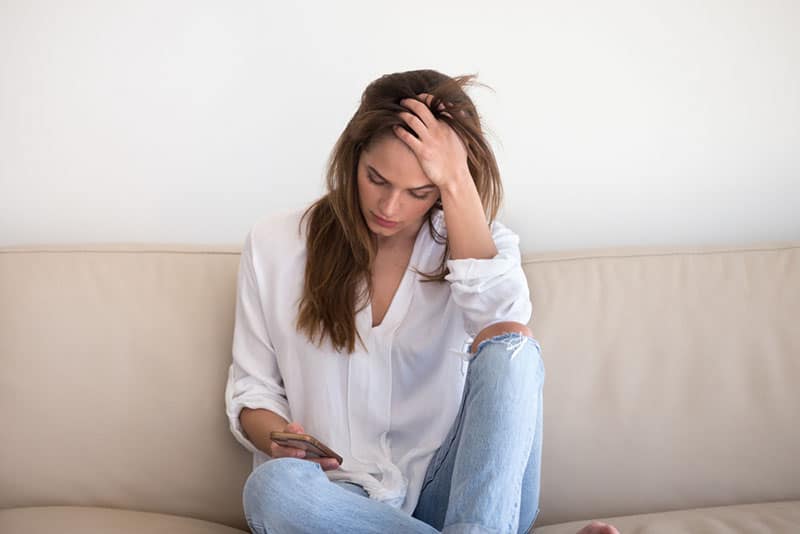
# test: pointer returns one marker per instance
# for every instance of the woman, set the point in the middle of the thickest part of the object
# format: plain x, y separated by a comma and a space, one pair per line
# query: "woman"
350, 321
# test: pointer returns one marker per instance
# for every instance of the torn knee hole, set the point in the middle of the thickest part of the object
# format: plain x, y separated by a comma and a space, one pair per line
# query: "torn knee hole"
499, 329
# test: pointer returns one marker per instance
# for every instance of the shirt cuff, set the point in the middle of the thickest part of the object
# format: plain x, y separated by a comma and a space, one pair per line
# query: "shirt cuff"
476, 275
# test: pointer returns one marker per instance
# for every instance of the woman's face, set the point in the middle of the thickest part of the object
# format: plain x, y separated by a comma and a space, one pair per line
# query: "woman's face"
393, 191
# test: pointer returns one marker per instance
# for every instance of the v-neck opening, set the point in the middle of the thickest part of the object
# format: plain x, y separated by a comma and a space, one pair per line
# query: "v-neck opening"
401, 298
397, 292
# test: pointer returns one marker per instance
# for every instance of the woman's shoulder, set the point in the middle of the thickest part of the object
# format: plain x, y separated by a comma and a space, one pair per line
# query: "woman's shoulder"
279, 230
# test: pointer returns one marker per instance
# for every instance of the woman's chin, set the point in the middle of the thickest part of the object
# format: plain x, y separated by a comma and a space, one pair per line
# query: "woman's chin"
380, 231
401, 231
386, 233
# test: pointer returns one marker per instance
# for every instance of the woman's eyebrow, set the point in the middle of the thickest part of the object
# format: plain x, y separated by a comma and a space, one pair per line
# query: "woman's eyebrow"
429, 186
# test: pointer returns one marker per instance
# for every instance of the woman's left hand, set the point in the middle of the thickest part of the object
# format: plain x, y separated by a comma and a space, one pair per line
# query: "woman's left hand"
440, 151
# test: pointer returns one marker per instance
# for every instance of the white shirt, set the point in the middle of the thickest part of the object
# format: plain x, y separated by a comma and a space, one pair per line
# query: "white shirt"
386, 409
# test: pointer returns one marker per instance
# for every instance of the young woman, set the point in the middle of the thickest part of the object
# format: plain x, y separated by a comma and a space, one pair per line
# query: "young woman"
389, 321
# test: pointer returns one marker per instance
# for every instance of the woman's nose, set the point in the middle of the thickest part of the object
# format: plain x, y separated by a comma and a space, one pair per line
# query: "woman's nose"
390, 203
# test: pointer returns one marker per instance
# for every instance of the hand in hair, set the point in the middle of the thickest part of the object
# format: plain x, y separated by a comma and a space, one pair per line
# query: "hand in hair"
443, 157
440, 151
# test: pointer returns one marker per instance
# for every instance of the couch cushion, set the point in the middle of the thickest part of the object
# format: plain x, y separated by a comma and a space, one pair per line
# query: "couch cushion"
772, 518
88, 520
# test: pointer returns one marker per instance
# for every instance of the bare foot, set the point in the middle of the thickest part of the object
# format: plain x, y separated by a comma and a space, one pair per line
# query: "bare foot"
596, 527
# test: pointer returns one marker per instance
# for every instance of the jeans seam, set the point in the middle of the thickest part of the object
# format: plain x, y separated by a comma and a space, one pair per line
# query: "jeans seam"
251, 523
535, 516
438, 466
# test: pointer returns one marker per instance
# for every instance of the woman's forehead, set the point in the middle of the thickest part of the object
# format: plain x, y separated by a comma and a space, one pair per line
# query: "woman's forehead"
394, 161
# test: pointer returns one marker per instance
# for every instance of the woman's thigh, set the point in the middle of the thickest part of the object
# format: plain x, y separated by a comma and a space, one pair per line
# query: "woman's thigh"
290, 495
351, 487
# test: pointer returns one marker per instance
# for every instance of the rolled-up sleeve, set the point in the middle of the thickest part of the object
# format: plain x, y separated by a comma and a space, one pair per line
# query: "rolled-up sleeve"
491, 290
254, 379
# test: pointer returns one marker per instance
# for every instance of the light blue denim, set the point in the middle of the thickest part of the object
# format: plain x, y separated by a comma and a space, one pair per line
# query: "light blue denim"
484, 478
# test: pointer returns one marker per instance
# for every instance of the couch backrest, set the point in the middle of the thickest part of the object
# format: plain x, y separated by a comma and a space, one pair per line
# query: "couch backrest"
113, 363
671, 378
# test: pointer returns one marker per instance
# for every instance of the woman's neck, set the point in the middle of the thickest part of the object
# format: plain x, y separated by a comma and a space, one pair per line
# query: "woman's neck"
396, 242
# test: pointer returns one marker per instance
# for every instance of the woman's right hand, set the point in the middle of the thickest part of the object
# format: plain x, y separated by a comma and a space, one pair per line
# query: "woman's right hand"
279, 451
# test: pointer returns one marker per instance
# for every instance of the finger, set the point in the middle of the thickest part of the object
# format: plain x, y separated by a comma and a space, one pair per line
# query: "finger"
412, 142
414, 123
428, 99
279, 451
288, 452
295, 428
420, 110
327, 464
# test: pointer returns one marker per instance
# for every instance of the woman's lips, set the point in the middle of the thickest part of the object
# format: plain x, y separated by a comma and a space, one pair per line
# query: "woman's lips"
384, 222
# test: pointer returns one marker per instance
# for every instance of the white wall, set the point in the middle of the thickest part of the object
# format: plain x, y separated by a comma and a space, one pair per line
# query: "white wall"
614, 123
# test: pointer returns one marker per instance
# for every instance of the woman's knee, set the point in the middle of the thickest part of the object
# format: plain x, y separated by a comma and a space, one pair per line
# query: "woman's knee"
508, 353
496, 329
274, 488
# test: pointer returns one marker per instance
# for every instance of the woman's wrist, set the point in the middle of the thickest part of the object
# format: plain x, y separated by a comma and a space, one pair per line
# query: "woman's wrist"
460, 183
257, 424
468, 233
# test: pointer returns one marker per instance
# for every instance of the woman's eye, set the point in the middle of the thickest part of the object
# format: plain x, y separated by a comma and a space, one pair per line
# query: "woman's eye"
374, 181
419, 196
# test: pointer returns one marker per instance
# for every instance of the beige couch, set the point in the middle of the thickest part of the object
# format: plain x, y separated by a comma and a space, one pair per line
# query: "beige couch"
671, 402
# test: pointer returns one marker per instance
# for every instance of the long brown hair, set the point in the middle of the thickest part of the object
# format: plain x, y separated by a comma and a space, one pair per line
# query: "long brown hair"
340, 248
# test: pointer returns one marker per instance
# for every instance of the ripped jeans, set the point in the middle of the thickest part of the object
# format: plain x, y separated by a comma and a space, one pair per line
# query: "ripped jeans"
483, 478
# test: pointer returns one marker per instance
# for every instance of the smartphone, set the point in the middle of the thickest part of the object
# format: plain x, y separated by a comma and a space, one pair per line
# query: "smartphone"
313, 447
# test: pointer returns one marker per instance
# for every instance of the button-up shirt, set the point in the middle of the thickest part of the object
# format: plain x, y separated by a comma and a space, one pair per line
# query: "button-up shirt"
388, 406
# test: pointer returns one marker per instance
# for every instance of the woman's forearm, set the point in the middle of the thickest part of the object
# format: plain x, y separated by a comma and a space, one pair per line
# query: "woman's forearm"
468, 233
257, 425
